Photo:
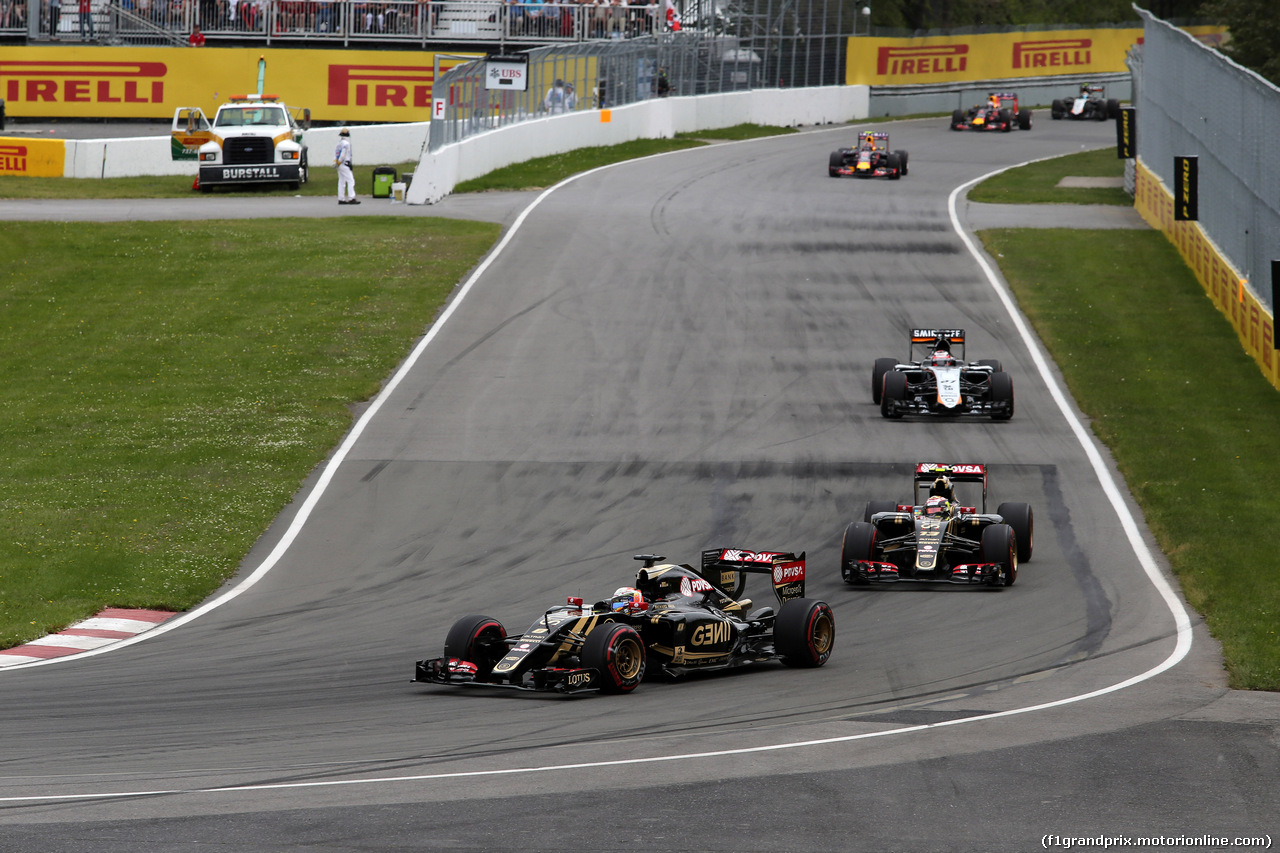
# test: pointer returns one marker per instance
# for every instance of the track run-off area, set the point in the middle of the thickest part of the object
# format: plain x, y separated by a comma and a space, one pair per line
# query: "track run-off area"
662, 356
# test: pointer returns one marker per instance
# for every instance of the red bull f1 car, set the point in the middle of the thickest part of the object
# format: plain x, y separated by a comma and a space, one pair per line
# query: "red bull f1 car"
676, 620
936, 380
871, 158
999, 112
937, 537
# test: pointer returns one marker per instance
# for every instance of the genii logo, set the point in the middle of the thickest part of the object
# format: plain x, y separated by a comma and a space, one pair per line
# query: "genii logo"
1052, 54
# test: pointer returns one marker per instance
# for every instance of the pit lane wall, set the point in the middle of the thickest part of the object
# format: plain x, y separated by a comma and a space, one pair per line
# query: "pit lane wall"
440, 171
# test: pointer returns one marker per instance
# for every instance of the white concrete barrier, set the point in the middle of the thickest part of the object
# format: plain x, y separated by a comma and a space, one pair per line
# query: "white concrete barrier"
374, 145
440, 171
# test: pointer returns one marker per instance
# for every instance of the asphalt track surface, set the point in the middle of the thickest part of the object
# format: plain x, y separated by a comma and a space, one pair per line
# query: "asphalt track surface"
669, 354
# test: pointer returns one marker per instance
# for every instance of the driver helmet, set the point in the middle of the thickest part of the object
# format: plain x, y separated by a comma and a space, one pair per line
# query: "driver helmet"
626, 599
937, 506
942, 488
994, 100
942, 358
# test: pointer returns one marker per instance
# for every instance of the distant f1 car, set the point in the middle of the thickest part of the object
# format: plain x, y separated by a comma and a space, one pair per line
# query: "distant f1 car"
936, 381
870, 159
1091, 104
999, 112
676, 620
937, 537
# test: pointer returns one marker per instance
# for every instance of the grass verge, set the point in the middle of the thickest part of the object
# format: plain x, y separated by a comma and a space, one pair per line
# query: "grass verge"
166, 389
1186, 413
1037, 183
543, 172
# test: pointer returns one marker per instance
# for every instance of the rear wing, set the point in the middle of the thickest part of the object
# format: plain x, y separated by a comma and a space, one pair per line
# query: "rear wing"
927, 472
923, 341
725, 568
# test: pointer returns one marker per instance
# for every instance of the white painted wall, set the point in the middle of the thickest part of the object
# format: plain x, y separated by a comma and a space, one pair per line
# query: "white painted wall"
440, 171
149, 155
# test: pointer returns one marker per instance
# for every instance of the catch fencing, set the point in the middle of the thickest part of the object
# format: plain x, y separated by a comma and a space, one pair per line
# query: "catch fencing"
608, 74
1193, 101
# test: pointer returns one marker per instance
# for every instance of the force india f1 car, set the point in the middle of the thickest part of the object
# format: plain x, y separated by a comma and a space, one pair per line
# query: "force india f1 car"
936, 381
999, 112
676, 620
870, 159
1092, 104
936, 537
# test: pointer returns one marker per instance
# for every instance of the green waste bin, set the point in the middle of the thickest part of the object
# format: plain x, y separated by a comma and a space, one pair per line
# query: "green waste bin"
383, 178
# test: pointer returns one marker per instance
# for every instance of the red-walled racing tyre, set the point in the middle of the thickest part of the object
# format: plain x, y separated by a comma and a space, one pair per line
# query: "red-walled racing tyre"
804, 632
478, 639
617, 651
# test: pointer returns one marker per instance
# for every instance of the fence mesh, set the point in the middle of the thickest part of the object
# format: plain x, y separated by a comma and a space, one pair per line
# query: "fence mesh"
1194, 101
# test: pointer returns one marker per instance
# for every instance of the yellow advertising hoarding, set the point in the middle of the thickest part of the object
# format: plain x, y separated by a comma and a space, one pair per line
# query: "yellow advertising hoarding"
1222, 282
151, 82
989, 56
32, 158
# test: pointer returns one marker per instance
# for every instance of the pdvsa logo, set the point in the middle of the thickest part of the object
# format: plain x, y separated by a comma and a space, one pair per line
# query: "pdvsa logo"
913, 61
1056, 53
83, 82
380, 85
13, 158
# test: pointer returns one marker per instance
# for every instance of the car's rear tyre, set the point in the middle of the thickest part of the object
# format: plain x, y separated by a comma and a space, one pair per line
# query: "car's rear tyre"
804, 632
1006, 121
905, 158
859, 543
1100, 113
834, 164
1113, 108
1001, 394
1019, 516
617, 653
1058, 109
882, 366
478, 639
957, 120
999, 545
878, 506
893, 390
1024, 119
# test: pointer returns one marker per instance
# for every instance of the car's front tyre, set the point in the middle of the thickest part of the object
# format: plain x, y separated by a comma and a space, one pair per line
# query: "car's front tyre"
804, 632
480, 640
617, 653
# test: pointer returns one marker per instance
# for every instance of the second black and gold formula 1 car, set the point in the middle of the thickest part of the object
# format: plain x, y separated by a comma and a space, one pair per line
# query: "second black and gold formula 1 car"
676, 620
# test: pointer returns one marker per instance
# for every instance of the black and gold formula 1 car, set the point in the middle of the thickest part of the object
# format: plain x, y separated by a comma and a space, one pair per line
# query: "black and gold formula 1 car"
870, 158
937, 537
676, 620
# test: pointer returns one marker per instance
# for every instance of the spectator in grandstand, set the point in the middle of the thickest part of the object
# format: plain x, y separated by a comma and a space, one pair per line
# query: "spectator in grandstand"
86, 19
197, 38
599, 19
55, 17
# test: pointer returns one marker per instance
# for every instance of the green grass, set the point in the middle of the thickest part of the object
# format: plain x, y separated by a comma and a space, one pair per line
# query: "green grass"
322, 181
1036, 183
166, 388
543, 172
1190, 419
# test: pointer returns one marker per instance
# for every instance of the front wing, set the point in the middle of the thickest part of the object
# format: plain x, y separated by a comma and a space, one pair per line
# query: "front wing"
874, 571
456, 673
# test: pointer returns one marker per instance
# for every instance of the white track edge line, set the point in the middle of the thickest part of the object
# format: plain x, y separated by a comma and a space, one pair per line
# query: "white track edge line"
1129, 524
